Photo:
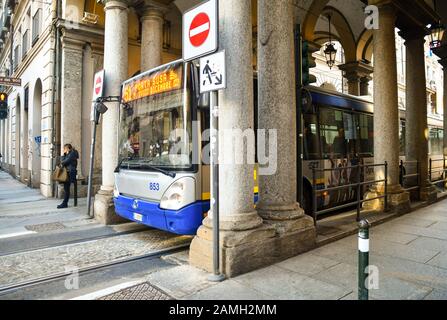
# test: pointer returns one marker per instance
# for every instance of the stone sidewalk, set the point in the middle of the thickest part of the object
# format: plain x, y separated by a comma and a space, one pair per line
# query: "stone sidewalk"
410, 253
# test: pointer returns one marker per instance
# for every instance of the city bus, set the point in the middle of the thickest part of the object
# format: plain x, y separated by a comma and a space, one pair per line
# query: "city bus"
162, 111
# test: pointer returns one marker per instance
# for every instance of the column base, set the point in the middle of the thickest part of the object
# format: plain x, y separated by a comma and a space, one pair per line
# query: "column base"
104, 209
398, 199
429, 194
242, 251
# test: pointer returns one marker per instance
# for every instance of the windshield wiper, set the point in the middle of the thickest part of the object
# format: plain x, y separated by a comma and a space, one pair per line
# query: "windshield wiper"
118, 167
141, 164
165, 172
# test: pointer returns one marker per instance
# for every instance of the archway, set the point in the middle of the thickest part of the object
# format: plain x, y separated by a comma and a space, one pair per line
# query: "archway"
24, 137
36, 138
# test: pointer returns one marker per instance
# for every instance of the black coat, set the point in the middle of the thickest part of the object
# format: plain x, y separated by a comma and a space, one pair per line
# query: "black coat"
70, 161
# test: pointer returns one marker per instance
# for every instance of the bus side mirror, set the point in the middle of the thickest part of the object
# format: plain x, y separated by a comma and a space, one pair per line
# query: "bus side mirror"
204, 101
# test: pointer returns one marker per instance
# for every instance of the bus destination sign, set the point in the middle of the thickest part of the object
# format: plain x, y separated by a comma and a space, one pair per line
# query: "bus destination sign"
149, 84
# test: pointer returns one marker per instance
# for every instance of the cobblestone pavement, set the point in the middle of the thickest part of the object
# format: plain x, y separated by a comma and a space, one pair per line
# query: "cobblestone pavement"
143, 291
30, 265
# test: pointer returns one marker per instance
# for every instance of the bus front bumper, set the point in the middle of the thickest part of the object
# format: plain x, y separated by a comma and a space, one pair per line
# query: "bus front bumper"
185, 221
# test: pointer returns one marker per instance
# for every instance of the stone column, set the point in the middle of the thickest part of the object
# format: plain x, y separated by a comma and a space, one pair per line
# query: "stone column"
277, 111
151, 38
356, 73
443, 62
364, 85
245, 243
386, 112
71, 95
416, 147
115, 66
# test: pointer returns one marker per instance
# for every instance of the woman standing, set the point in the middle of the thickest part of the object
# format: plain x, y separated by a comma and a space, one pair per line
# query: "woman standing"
70, 161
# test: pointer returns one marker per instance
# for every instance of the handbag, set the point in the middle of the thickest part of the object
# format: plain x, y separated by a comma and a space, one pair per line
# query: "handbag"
60, 174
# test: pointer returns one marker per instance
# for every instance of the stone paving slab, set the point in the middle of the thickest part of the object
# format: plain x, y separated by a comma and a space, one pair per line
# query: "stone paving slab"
386, 248
283, 284
439, 261
394, 237
435, 244
437, 295
307, 264
229, 290
180, 281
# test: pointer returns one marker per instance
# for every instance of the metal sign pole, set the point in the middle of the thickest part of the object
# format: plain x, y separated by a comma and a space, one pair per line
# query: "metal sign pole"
214, 126
90, 175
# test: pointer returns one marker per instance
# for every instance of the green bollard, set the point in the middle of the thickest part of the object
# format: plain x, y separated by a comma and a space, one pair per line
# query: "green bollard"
363, 258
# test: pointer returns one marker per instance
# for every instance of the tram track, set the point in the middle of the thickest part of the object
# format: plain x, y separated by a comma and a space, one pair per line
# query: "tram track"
8, 289
75, 241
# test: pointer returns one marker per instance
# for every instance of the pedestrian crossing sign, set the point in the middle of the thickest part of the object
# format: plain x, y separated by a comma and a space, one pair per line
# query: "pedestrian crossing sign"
213, 73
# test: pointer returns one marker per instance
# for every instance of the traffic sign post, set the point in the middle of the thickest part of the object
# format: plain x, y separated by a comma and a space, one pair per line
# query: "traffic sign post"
98, 91
212, 79
200, 38
200, 30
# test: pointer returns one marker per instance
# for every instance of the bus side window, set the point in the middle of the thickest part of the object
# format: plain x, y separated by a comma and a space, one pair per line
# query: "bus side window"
332, 133
366, 135
311, 147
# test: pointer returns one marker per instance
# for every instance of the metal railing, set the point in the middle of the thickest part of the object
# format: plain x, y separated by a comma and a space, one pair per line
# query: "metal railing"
404, 176
357, 185
440, 170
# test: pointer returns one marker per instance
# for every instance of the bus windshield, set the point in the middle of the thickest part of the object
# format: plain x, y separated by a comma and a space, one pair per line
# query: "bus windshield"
155, 122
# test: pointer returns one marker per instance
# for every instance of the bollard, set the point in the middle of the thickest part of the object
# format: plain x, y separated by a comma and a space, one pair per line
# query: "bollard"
363, 258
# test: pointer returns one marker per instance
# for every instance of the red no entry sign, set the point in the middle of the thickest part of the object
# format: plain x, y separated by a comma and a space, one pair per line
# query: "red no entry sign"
199, 29
98, 85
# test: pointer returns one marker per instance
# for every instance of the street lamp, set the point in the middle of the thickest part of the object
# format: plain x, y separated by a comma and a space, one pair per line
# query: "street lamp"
330, 52
436, 33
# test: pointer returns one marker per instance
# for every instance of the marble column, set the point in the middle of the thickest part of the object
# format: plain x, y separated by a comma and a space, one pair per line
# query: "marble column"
115, 66
277, 111
71, 95
246, 243
151, 38
386, 112
416, 140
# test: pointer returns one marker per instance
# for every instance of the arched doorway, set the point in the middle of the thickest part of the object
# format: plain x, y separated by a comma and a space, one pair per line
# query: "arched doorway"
37, 132
24, 137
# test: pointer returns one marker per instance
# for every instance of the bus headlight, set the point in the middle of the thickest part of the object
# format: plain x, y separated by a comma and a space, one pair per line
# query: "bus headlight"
179, 194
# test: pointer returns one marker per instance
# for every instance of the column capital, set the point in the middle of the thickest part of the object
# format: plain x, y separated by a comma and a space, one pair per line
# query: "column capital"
356, 70
116, 4
152, 10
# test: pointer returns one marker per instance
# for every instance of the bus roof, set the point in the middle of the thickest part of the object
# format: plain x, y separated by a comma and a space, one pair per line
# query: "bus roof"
340, 100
